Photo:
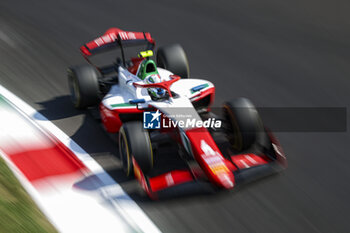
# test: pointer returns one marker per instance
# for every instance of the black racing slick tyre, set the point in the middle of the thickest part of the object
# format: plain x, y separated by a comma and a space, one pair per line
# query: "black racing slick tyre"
174, 59
244, 123
134, 142
84, 86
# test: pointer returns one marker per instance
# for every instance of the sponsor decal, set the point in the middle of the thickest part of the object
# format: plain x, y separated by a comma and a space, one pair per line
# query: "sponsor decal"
213, 159
207, 150
105, 39
123, 35
131, 35
169, 179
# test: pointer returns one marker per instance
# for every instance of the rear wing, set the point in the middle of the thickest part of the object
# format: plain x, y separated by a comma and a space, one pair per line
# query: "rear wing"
114, 38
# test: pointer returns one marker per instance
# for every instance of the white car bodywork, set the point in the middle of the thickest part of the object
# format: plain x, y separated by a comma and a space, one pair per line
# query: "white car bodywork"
120, 94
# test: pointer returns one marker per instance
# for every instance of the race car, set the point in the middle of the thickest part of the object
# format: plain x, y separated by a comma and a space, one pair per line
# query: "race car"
151, 103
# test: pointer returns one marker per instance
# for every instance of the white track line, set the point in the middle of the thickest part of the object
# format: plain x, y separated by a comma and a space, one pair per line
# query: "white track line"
112, 191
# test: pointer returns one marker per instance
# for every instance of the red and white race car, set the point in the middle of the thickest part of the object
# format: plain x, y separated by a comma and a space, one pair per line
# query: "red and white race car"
154, 104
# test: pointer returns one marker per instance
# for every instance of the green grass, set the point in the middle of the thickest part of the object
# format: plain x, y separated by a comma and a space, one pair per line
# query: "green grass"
18, 212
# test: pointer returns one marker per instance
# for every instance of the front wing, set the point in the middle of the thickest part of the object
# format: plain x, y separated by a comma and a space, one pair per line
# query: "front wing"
244, 167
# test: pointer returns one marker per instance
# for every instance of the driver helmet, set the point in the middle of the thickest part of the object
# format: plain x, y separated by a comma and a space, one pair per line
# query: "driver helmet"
156, 92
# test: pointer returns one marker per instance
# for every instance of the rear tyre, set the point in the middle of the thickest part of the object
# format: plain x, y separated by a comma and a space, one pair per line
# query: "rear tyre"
244, 123
84, 86
174, 59
134, 142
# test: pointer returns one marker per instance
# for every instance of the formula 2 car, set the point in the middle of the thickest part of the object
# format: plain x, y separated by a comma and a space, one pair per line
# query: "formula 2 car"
150, 104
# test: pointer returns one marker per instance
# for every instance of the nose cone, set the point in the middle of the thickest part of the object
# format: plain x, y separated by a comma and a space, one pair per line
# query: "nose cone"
227, 181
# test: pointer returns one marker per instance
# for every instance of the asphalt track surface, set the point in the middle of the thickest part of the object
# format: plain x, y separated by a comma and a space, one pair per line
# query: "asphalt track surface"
277, 53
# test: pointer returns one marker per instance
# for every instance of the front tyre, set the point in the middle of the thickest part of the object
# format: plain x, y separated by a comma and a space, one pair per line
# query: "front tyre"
173, 58
244, 123
84, 86
134, 142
